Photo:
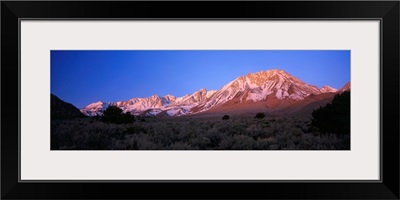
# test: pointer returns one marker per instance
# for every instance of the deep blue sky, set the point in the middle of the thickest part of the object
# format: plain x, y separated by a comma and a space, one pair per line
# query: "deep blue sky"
83, 77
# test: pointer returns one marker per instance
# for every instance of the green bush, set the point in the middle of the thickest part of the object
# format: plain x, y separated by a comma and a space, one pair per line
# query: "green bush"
335, 116
113, 114
225, 117
260, 115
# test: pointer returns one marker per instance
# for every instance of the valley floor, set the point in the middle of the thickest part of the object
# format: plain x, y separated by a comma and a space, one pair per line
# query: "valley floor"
193, 134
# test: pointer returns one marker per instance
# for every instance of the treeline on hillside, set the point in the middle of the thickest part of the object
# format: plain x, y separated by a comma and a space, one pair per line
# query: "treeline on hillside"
335, 116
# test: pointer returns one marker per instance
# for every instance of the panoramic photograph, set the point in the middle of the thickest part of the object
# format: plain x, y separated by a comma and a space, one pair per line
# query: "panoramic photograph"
200, 100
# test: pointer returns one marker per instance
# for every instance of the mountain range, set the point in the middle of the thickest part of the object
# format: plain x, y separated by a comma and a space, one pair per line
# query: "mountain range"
274, 91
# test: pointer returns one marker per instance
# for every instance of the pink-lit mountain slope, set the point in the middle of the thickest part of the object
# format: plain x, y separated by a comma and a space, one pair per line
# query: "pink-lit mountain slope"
272, 89
345, 88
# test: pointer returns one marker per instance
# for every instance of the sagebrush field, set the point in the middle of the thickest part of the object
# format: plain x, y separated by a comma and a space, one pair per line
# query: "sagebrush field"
194, 134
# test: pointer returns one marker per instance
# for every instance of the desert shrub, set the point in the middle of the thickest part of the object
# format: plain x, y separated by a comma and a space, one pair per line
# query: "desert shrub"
200, 142
335, 116
296, 131
96, 118
113, 114
96, 141
236, 129
226, 143
135, 130
171, 134
262, 144
243, 142
55, 136
276, 128
305, 127
145, 144
181, 146
260, 115
257, 132
306, 141
118, 144
273, 147
345, 143
214, 136
92, 139
237, 142
163, 136
84, 134
127, 117
295, 140
283, 137
204, 126
223, 127
225, 117
289, 145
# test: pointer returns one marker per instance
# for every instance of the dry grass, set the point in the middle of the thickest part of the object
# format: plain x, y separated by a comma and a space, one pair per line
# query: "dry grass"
194, 134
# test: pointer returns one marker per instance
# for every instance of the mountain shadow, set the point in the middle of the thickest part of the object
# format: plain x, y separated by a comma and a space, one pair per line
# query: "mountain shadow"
63, 110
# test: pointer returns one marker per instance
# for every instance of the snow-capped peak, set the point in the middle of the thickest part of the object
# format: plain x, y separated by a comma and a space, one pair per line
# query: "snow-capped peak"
210, 93
345, 87
253, 87
257, 86
169, 96
96, 108
325, 89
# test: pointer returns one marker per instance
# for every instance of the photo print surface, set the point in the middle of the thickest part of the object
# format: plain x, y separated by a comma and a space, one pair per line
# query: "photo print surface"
200, 99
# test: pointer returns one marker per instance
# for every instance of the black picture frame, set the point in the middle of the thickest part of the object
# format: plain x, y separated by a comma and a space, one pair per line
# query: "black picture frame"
386, 11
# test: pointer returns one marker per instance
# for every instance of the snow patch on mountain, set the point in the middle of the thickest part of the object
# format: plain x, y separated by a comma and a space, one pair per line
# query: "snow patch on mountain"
345, 87
96, 108
325, 89
253, 87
